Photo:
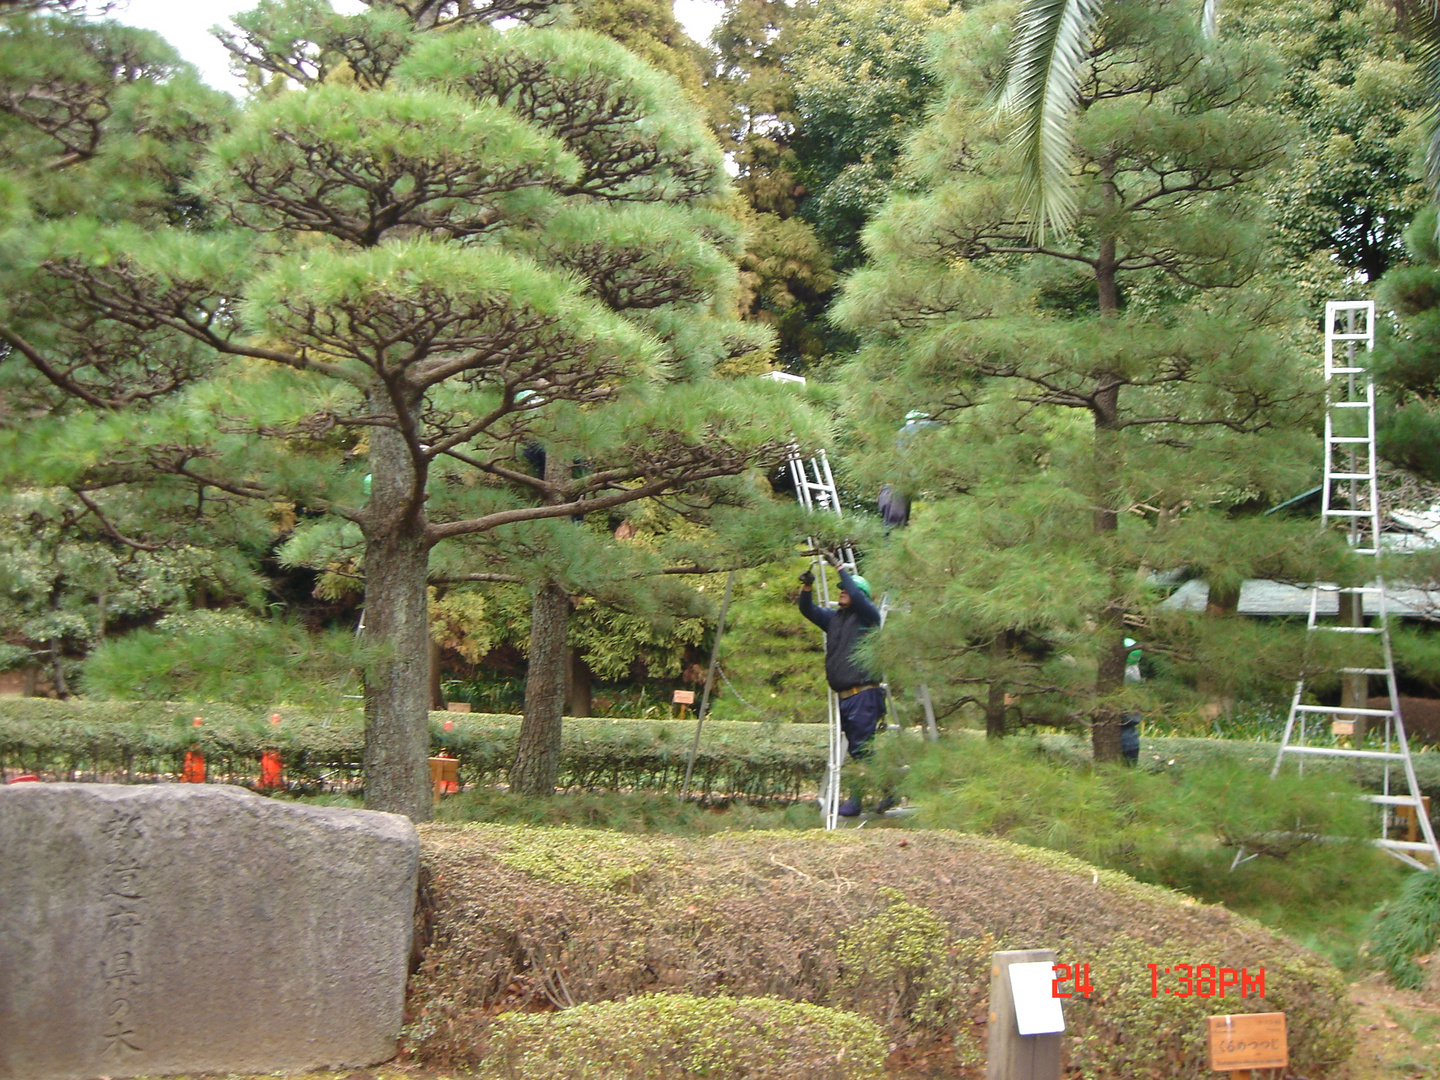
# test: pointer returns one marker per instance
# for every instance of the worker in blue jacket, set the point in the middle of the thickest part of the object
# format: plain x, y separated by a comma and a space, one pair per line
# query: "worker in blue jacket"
862, 698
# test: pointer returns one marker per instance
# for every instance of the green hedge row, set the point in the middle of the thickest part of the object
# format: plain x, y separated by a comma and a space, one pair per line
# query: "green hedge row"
139, 742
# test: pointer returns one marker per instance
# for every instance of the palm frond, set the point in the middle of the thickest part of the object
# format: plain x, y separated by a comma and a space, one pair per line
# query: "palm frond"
1421, 21
1048, 51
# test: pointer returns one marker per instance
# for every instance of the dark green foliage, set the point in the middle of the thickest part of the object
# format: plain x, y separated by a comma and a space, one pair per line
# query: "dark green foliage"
1353, 84
206, 656
1407, 358
1104, 403
1406, 928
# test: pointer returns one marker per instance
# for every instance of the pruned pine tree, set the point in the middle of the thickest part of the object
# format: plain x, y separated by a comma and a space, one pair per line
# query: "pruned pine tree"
508, 241
1102, 402
106, 120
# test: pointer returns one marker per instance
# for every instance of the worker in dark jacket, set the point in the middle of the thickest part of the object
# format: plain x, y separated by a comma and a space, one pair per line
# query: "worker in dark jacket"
862, 699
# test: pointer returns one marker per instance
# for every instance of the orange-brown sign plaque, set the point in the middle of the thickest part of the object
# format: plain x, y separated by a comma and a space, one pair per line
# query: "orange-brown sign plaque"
1248, 1041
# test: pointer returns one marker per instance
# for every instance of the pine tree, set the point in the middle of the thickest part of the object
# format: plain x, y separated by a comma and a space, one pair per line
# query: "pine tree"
453, 243
1102, 402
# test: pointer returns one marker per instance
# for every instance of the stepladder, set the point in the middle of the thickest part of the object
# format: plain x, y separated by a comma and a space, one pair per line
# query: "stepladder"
815, 489
1356, 646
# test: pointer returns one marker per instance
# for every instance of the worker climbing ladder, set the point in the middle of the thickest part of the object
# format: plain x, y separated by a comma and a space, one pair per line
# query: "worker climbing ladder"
815, 490
1350, 496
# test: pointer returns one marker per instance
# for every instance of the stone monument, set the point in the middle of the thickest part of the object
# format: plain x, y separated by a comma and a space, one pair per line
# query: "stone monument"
197, 928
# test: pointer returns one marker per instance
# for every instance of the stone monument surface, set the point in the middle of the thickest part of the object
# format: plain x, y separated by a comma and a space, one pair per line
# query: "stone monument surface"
197, 928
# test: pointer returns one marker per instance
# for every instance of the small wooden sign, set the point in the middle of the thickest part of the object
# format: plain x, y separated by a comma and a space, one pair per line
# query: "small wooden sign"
1342, 727
1247, 1041
458, 706
684, 697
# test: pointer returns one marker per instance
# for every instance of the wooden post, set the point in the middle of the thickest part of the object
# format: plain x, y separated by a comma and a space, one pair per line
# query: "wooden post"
1012, 1056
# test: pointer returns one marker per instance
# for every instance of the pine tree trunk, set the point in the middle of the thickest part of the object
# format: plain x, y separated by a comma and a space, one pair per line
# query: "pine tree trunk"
1355, 689
397, 721
578, 685
437, 693
1110, 670
995, 701
397, 618
1223, 603
537, 753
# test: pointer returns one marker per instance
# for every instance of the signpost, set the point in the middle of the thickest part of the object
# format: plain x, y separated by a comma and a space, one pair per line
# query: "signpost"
684, 698
1025, 1019
1247, 1041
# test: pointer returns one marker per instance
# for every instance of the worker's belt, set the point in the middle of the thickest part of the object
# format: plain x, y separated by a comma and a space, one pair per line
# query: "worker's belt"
842, 694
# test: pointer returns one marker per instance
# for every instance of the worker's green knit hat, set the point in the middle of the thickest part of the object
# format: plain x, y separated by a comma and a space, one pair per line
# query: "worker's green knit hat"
862, 585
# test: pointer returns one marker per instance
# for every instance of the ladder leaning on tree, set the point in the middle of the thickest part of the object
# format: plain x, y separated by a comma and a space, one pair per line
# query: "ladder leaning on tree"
1350, 495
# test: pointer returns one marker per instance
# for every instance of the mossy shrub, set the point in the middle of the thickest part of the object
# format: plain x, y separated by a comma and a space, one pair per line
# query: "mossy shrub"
680, 1037
897, 926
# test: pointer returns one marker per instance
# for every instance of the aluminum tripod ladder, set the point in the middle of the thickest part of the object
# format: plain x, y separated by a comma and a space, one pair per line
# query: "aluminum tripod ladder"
815, 490
1350, 496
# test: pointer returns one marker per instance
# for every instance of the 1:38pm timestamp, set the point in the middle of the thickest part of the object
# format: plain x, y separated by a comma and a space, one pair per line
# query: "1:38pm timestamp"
1205, 981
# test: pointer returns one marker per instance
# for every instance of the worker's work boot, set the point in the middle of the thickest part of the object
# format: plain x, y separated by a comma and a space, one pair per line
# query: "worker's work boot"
850, 807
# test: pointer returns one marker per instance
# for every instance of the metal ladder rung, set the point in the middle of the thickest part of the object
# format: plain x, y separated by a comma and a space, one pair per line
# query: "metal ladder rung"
1350, 590
1348, 370
1364, 671
1339, 710
1350, 513
1328, 751
1350, 405
1350, 337
1345, 440
1392, 800
1352, 476
1349, 629
1404, 845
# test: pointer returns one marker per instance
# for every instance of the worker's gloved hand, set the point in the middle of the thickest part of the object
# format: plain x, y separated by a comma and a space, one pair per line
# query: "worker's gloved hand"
807, 579
833, 558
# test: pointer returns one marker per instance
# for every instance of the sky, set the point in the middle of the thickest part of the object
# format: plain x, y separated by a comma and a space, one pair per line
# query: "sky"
186, 25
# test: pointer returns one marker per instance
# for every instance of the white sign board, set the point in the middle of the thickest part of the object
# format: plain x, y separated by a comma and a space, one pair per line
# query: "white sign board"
1037, 1009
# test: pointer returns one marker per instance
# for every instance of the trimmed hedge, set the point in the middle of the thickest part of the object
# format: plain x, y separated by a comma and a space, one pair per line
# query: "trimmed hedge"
144, 742
679, 1037
894, 927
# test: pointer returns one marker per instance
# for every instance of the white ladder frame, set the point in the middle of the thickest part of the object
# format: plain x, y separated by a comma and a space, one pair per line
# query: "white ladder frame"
1349, 388
815, 489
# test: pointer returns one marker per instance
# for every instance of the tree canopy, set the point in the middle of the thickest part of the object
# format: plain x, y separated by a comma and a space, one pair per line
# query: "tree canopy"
494, 239
1099, 402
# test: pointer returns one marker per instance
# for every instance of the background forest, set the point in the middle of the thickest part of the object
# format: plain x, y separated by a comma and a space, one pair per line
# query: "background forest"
422, 330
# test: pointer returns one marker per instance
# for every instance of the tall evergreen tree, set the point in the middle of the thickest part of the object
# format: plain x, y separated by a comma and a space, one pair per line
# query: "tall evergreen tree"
1101, 401
480, 241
